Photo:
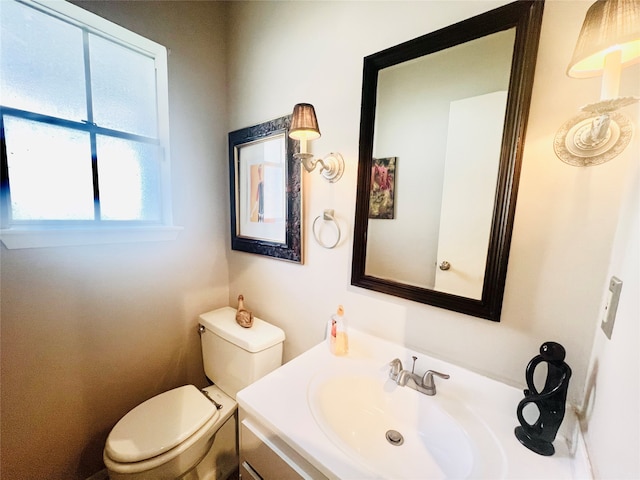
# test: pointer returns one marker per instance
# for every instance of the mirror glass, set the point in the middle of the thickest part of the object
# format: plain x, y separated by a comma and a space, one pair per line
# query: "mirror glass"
439, 160
458, 124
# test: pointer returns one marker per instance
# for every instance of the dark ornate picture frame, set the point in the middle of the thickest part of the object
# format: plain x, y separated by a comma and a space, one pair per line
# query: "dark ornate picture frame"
258, 239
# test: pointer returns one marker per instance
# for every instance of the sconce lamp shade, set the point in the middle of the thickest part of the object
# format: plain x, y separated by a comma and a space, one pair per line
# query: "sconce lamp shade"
304, 124
608, 26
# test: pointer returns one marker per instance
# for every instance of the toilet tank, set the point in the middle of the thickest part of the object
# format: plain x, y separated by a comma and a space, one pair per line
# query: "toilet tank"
234, 356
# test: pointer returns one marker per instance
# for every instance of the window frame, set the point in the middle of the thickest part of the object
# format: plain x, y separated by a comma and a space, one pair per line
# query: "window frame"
53, 233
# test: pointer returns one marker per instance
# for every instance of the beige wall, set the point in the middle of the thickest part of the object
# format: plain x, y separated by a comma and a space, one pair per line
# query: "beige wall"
90, 332
282, 53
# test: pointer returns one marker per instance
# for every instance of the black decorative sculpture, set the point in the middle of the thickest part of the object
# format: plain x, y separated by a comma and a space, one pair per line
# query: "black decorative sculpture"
550, 402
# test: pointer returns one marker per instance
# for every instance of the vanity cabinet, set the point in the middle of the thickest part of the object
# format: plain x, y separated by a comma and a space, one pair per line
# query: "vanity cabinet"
264, 456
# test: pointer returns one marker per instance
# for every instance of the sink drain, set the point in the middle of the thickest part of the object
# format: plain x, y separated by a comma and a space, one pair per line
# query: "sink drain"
394, 437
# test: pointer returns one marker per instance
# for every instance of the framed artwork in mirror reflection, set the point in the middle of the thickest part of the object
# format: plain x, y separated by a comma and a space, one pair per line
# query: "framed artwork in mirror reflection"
382, 193
265, 186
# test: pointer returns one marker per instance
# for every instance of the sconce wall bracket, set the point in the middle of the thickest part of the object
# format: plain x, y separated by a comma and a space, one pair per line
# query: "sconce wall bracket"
331, 166
593, 137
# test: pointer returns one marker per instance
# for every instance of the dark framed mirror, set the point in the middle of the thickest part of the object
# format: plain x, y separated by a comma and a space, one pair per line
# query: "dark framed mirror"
443, 122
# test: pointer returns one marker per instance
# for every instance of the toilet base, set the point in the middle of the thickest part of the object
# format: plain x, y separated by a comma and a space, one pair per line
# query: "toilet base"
222, 460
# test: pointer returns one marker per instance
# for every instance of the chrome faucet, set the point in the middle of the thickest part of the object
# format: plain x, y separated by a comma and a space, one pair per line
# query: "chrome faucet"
405, 378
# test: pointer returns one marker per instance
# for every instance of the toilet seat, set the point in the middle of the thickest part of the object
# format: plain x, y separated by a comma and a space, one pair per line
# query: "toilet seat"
159, 425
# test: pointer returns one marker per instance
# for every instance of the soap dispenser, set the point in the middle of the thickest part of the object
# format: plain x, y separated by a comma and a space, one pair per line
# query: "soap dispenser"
338, 336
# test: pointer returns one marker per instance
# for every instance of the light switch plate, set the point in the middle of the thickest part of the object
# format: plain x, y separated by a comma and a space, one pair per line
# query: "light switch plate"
611, 306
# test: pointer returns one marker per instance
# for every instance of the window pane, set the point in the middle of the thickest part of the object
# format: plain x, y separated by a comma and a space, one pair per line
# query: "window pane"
123, 88
49, 171
41, 63
129, 180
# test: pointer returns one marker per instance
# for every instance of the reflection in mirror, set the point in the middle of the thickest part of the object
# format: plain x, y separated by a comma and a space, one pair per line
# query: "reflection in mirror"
449, 109
446, 132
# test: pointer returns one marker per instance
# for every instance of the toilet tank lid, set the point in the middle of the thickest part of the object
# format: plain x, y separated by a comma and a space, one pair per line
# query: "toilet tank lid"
260, 336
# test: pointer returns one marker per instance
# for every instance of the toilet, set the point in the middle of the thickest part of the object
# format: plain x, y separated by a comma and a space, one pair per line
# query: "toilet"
187, 433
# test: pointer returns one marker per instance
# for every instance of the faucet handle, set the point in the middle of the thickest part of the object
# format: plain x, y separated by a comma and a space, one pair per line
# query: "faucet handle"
396, 367
427, 381
403, 377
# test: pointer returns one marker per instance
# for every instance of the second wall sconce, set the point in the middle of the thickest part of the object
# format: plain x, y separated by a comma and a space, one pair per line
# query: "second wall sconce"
304, 127
609, 41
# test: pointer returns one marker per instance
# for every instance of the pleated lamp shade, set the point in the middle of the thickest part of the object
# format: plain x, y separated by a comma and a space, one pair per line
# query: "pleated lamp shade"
304, 124
608, 25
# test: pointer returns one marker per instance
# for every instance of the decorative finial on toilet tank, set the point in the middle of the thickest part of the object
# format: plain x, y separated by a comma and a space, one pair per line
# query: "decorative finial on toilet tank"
243, 316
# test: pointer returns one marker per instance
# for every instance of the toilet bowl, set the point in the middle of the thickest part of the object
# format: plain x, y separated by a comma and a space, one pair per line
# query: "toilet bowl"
186, 433
166, 436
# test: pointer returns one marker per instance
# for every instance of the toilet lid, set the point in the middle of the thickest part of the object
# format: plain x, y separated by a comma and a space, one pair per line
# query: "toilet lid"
159, 424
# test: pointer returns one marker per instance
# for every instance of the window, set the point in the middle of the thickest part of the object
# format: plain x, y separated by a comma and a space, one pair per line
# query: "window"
84, 126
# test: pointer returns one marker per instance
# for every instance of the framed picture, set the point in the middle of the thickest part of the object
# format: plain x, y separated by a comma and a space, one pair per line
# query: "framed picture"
265, 186
383, 185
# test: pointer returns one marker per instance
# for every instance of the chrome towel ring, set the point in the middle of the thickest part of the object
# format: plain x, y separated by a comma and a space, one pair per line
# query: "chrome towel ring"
327, 216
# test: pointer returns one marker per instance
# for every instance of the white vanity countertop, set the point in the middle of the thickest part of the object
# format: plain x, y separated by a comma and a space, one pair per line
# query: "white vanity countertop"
279, 402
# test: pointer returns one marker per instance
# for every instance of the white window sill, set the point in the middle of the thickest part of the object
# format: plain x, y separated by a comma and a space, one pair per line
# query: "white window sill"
15, 238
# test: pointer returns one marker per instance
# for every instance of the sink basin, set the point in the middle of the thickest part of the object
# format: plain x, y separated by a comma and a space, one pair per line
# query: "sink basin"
396, 432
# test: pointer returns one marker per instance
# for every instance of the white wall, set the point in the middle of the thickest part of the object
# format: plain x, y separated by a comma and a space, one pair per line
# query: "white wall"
612, 416
281, 53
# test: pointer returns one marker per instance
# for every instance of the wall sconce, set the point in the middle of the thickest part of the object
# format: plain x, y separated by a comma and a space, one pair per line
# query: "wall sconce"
608, 42
304, 127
